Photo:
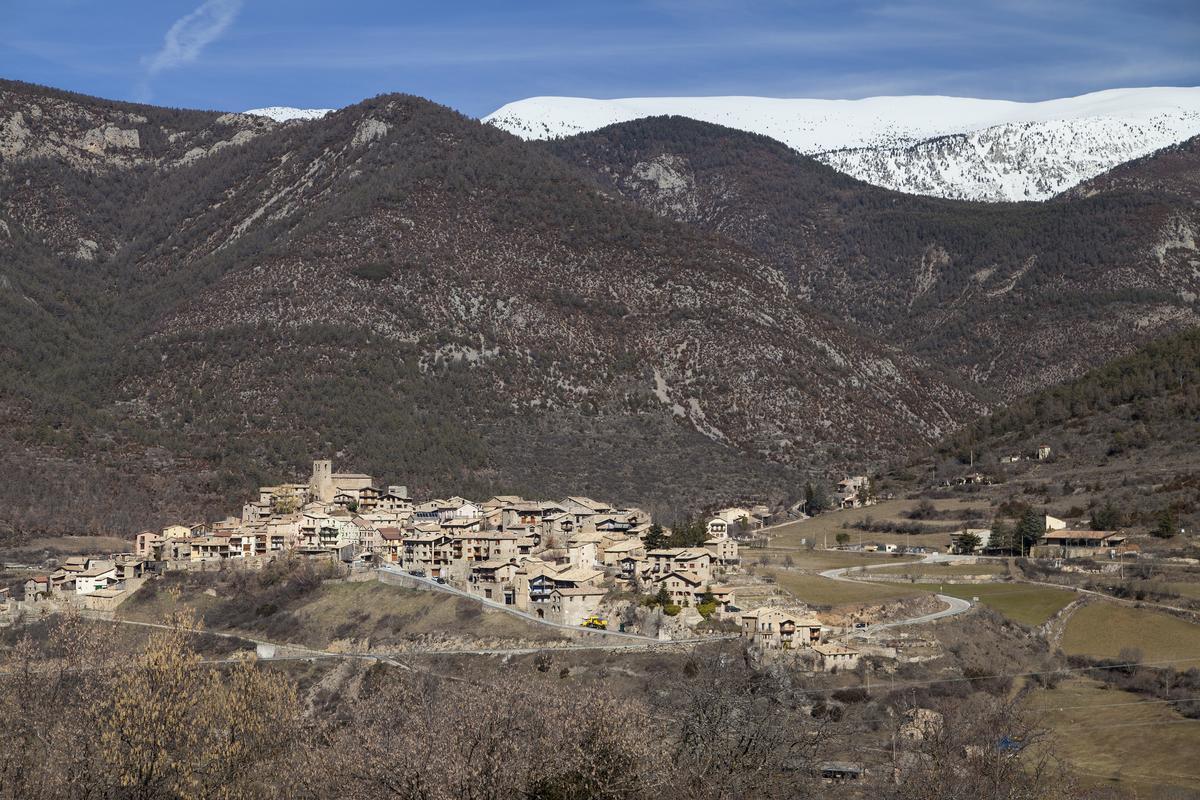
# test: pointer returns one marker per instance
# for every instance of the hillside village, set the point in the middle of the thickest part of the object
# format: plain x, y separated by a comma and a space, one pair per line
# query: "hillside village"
575, 562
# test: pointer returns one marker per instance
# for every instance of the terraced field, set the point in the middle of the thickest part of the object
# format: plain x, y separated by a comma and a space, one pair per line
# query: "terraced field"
815, 560
823, 529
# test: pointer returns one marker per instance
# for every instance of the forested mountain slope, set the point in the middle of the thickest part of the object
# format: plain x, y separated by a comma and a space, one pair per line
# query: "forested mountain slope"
409, 291
1123, 436
1013, 296
1151, 396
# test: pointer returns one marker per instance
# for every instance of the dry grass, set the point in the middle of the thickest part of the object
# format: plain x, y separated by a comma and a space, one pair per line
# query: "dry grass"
389, 612
823, 528
82, 545
815, 560
370, 611
146, 607
818, 591
1107, 735
1102, 630
1189, 590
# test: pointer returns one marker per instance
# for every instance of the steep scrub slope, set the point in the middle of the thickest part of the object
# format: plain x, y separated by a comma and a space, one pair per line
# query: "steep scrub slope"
431, 299
1012, 296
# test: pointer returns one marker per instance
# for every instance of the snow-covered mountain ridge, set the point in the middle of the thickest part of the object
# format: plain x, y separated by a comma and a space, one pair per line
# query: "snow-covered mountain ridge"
285, 113
944, 146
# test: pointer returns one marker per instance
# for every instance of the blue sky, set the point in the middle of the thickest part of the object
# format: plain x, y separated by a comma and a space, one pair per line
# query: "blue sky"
476, 56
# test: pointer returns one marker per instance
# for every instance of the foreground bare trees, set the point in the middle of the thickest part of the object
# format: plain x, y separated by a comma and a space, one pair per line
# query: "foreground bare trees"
83, 721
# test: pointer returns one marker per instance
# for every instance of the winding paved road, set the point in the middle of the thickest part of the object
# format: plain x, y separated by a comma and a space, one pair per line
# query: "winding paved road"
954, 605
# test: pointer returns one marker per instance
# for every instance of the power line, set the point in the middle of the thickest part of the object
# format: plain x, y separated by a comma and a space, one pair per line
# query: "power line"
1126, 725
1117, 705
936, 681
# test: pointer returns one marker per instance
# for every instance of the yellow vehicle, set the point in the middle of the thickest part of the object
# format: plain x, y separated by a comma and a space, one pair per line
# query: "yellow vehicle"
593, 621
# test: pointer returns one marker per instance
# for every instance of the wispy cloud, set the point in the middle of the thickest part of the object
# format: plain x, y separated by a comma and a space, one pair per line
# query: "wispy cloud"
188, 36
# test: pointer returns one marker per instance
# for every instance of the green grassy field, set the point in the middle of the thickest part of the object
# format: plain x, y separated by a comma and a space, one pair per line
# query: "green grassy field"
1107, 735
818, 591
931, 572
1102, 630
1020, 602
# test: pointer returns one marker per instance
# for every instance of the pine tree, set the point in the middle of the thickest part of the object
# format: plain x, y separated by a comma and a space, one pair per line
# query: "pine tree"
1031, 527
655, 538
1107, 518
815, 499
1003, 537
1167, 525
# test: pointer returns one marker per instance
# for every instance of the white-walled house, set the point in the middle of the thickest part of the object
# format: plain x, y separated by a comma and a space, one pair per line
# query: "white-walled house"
100, 575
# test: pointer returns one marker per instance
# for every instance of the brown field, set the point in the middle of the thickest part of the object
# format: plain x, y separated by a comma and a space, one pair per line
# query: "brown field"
1108, 736
1103, 630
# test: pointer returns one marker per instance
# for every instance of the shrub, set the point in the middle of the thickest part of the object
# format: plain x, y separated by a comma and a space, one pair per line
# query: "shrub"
372, 271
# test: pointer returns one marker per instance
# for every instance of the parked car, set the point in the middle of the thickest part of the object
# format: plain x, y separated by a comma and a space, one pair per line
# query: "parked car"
417, 573
440, 580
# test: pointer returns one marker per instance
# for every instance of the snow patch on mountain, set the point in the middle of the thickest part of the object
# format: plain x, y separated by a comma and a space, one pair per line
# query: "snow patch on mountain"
943, 146
285, 113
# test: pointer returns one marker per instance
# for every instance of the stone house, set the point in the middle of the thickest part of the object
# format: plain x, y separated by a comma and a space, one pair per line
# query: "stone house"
37, 587
209, 548
325, 483
477, 545
617, 551
724, 551
775, 629
1066, 543
684, 589
574, 606
694, 560
851, 492
834, 657
718, 528
391, 548
431, 553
